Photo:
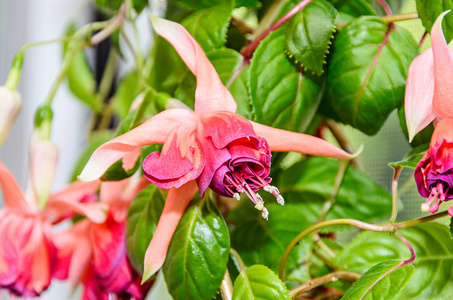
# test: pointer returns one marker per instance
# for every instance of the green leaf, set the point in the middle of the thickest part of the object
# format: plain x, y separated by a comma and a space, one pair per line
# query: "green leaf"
139, 5
353, 8
198, 253
388, 287
248, 3
429, 10
209, 26
261, 241
81, 80
142, 219
433, 245
308, 35
97, 139
198, 4
310, 182
125, 94
412, 158
367, 72
421, 138
281, 95
259, 282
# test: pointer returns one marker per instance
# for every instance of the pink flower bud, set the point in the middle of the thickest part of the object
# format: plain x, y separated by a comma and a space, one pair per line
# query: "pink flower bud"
10, 104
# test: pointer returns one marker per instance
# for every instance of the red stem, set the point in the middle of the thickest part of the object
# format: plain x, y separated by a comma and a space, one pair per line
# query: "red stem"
253, 45
386, 7
423, 38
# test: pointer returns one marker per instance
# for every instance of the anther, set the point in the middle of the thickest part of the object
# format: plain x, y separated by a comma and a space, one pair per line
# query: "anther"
280, 200
237, 196
265, 213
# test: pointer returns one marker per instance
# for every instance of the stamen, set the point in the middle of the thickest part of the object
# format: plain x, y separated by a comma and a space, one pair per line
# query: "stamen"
280, 200
237, 196
265, 214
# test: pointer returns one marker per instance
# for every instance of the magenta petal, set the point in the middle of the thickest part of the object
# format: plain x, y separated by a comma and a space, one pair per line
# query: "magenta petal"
443, 70
225, 127
210, 95
214, 159
419, 93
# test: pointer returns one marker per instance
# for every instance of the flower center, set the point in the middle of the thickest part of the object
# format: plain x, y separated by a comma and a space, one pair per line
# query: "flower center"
237, 181
437, 195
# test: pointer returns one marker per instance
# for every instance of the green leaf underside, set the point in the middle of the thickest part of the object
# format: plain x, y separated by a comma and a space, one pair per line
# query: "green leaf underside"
142, 219
388, 287
259, 282
309, 183
198, 253
281, 95
429, 10
367, 72
261, 241
209, 26
308, 35
433, 245
412, 158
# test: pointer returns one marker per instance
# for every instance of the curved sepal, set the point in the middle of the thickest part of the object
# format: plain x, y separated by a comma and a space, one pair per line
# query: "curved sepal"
12, 194
210, 95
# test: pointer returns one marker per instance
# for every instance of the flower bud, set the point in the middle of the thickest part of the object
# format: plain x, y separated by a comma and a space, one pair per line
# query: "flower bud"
10, 104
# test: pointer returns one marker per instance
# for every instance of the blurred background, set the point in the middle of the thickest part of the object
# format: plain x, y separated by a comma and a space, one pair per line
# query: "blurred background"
25, 21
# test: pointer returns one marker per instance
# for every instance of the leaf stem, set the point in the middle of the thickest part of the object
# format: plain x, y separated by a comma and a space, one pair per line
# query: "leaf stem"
418, 221
253, 45
343, 141
396, 175
330, 201
332, 277
238, 258
226, 287
390, 19
386, 7
325, 260
113, 25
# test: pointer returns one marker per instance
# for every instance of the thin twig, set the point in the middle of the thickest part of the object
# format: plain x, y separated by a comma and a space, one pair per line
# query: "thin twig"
116, 23
325, 260
332, 277
390, 19
385, 6
396, 175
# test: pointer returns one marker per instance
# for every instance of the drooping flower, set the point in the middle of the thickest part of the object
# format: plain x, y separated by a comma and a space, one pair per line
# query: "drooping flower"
27, 252
209, 147
429, 88
434, 172
95, 253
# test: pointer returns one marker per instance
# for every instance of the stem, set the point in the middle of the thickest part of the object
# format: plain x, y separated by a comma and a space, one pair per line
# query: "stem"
332, 277
351, 222
425, 34
238, 258
269, 17
115, 23
226, 287
343, 141
241, 26
396, 175
418, 221
385, 6
325, 260
107, 77
252, 46
130, 7
390, 19
317, 239
330, 201
56, 40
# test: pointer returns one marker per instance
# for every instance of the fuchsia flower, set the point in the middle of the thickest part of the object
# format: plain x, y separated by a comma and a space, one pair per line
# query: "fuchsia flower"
95, 253
429, 96
27, 252
434, 172
10, 104
429, 88
209, 147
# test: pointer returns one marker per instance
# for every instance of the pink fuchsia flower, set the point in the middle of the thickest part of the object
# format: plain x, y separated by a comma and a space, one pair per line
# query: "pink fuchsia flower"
434, 172
95, 253
209, 147
27, 252
429, 89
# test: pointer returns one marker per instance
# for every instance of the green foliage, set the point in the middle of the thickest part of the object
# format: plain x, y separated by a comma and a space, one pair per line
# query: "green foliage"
259, 282
282, 96
429, 10
81, 80
367, 72
125, 94
209, 26
198, 253
309, 183
139, 5
412, 158
261, 241
387, 287
248, 3
308, 35
142, 219
433, 245
351, 9
198, 4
